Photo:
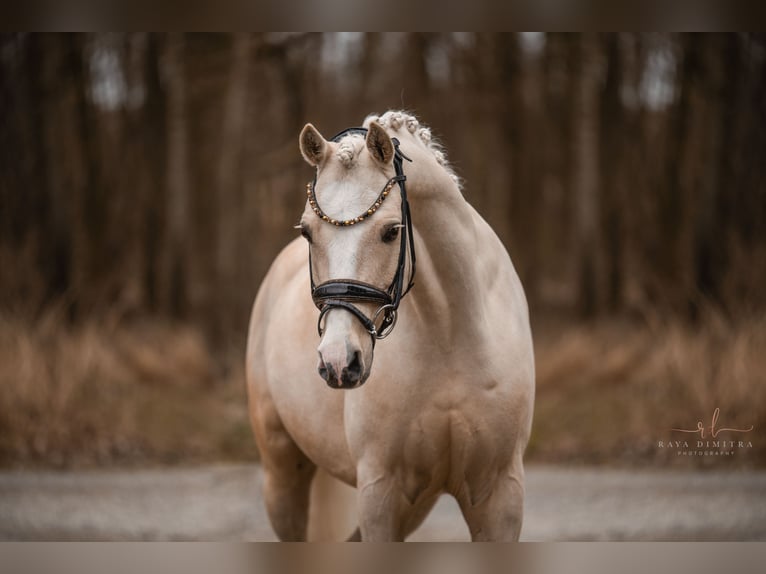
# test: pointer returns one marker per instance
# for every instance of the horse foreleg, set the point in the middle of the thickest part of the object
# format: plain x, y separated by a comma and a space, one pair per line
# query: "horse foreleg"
287, 503
381, 509
287, 474
498, 517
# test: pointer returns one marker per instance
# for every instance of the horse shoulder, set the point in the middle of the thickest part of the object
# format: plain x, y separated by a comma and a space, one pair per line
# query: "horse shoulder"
286, 269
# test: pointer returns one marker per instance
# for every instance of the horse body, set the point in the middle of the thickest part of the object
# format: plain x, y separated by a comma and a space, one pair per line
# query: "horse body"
448, 404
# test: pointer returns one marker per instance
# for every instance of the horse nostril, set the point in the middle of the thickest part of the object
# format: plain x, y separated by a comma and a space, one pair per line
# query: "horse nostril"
353, 371
327, 372
355, 364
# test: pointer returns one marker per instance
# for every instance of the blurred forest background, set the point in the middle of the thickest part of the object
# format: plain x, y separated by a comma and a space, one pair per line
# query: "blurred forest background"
147, 182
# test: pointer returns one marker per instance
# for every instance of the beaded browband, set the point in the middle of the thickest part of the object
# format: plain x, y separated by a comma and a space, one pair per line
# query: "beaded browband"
311, 192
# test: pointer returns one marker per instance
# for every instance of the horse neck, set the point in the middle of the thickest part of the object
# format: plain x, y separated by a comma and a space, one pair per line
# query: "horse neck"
448, 285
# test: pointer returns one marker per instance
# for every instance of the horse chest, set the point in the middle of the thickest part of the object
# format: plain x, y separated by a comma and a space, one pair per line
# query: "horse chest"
434, 441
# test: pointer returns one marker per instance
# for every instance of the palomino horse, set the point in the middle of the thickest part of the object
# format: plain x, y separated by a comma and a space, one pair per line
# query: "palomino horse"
444, 403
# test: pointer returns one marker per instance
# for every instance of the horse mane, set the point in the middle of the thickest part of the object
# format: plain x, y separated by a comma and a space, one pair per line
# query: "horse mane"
393, 121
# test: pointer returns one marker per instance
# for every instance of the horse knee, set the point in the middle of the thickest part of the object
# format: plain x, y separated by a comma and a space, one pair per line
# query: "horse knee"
499, 517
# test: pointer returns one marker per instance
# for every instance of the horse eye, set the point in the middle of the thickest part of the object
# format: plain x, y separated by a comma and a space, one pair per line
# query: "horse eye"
306, 234
390, 234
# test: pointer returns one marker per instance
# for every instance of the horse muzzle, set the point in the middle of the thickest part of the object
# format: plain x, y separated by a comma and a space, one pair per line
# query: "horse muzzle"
342, 370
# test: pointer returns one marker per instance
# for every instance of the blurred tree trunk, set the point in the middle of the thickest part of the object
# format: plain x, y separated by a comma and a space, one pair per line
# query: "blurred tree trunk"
132, 207
558, 205
494, 107
153, 126
611, 153
92, 236
526, 121
670, 253
689, 213
586, 182
635, 174
706, 168
746, 192
508, 210
369, 68
174, 265
724, 72
29, 273
415, 82
229, 183
54, 233
75, 206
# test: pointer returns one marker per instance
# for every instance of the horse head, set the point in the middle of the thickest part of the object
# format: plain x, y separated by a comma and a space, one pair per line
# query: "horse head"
356, 222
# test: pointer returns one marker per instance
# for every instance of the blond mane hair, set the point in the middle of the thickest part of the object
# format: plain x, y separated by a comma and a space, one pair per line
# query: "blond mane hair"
394, 120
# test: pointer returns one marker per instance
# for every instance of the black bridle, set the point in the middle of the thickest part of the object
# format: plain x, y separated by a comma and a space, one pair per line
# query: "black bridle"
346, 293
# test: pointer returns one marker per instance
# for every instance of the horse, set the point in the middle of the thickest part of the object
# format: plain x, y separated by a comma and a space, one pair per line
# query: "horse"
428, 367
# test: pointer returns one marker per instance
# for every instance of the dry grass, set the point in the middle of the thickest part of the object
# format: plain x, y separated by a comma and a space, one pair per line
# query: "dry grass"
104, 393
114, 393
609, 392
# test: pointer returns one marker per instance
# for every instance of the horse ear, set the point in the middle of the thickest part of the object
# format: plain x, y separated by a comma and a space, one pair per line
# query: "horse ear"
313, 145
379, 143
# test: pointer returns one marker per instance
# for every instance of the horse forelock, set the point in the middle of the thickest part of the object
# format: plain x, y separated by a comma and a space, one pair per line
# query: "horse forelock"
349, 148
